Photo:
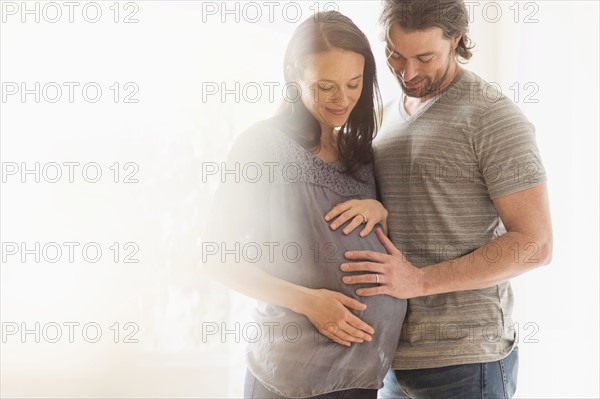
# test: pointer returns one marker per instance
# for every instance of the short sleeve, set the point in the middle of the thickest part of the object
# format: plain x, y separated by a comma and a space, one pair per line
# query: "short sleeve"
239, 213
505, 146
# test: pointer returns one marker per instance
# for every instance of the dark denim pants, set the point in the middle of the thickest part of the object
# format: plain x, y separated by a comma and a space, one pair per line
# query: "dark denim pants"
469, 381
254, 389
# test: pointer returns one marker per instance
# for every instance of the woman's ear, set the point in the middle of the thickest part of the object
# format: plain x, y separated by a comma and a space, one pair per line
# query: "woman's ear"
290, 74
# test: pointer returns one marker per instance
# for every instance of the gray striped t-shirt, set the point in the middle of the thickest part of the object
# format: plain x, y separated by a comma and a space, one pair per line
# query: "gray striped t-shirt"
437, 173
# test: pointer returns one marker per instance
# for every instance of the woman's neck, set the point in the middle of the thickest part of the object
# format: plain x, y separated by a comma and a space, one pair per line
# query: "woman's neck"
327, 150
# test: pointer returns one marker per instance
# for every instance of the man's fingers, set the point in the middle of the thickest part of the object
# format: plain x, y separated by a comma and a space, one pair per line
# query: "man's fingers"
379, 290
387, 244
372, 256
360, 279
362, 267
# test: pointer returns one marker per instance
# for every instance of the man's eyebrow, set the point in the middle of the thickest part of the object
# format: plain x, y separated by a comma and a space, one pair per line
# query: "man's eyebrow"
416, 56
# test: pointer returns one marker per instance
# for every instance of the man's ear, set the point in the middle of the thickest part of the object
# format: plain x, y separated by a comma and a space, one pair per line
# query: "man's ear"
455, 41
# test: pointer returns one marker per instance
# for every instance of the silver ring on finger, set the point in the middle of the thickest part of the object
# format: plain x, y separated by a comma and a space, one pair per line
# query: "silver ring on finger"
376, 278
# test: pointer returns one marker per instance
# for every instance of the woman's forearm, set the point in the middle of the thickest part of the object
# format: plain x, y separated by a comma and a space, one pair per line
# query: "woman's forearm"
254, 282
327, 310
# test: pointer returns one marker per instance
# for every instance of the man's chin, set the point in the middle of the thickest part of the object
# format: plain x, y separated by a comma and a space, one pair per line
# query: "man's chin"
415, 93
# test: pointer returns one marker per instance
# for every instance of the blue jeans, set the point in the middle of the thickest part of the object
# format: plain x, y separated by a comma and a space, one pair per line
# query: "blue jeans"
254, 389
468, 381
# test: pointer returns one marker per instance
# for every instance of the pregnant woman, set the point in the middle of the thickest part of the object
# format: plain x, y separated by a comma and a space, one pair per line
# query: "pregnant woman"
315, 339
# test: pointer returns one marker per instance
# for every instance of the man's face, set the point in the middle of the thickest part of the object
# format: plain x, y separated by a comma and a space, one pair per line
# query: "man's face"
423, 61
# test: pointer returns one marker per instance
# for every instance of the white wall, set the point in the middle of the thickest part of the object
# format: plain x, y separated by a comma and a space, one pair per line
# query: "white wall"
170, 55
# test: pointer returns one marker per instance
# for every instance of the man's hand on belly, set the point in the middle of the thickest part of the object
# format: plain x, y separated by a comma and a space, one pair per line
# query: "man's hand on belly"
395, 275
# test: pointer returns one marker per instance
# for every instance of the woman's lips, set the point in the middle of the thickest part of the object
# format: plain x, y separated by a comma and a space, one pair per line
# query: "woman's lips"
337, 111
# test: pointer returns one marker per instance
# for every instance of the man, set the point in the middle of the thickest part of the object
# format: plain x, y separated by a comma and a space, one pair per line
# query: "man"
460, 175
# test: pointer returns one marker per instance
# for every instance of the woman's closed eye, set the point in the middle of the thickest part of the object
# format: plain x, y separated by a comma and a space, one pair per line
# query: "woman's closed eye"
326, 87
331, 87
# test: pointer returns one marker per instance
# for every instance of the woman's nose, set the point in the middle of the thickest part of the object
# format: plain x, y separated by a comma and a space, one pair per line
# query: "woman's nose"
340, 97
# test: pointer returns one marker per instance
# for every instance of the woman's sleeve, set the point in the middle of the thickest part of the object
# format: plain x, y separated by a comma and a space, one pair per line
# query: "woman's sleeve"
239, 217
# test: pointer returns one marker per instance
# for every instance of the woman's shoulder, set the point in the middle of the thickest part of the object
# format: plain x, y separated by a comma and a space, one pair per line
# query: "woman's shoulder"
256, 141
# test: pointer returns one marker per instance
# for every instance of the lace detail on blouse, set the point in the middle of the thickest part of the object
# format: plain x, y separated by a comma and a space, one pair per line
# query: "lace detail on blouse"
299, 165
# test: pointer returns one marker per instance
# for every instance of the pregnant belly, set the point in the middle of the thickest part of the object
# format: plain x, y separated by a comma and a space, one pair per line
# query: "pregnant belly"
313, 258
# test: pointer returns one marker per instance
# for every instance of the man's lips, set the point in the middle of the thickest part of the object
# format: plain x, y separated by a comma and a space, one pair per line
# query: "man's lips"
413, 85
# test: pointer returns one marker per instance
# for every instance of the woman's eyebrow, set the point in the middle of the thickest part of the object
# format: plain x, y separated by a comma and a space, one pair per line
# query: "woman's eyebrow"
333, 81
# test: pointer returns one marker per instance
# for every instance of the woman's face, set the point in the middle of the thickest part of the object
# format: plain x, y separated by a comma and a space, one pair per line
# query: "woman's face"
331, 85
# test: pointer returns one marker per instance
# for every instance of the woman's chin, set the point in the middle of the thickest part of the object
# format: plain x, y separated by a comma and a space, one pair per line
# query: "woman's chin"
337, 122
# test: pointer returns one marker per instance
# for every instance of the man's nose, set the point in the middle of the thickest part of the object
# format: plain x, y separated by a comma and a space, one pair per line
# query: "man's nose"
409, 71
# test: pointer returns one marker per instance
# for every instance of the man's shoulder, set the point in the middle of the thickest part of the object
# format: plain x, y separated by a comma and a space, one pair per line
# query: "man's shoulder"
475, 97
473, 89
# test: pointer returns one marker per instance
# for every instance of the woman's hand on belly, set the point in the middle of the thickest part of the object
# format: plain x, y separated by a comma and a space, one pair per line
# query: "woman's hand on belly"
368, 212
329, 312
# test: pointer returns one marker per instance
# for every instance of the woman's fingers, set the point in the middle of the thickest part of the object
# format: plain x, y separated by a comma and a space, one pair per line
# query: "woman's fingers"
359, 328
343, 218
334, 337
338, 210
334, 319
345, 332
356, 221
368, 228
368, 212
351, 302
353, 320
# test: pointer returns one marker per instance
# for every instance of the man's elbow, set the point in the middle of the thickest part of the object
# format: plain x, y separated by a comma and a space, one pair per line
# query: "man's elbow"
544, 245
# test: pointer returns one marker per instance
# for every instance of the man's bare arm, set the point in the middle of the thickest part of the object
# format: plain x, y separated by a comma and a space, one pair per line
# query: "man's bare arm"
527, 244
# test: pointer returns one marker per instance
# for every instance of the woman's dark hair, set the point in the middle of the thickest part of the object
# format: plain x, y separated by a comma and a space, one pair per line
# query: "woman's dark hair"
450, 16
323, 32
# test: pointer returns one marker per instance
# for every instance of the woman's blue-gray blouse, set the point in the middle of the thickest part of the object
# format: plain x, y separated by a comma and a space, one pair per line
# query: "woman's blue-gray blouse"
278, 206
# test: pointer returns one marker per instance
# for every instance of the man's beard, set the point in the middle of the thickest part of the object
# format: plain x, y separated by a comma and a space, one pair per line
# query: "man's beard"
429, 87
